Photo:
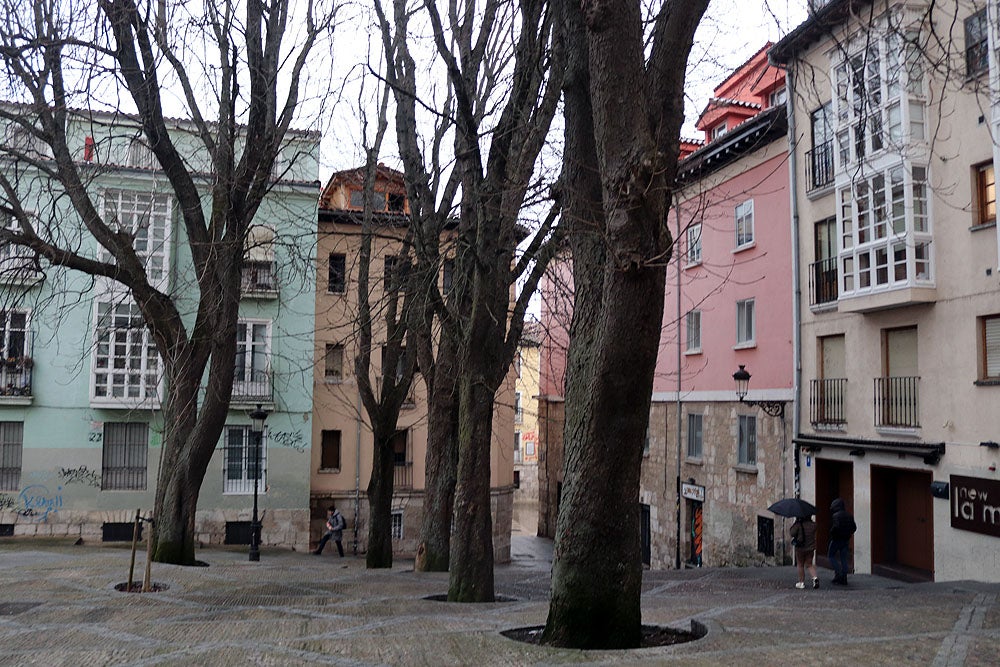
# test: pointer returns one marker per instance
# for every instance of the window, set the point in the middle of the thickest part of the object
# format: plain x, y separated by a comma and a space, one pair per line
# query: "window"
744, 224
145, 216
124, 457
747, 445
645, 442
820, 158
447, 276
517, 479
777, 97
518, 408
397, 202
258, 265
745, 324
885, 217
243, 451
517, 362
397, 526
11, 442
15, 334
986, 195
989, 343
337, 274
719, 131
17, 263
517, 447
252, 377
21, 141
126, 364
693, 255
333, 363
330, 450
389, 274
400, 451
976, 49
694, 443
693, 327
141, 156
357, 199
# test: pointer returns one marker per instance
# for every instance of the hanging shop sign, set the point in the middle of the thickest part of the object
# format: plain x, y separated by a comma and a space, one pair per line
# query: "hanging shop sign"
975, 505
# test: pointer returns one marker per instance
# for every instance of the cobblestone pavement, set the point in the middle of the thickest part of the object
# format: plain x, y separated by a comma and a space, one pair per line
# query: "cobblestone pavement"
58, 606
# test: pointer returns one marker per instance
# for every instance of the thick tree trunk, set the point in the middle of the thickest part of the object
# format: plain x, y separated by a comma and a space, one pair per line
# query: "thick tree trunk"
380, 501
471, 571
441, 463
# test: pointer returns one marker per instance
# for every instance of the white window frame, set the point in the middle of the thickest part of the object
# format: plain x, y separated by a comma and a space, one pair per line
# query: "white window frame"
518, 454
140, 212
16, 262
777, 97
719, 131
118, 377
989, 335
693, 237
695, 435
885, 231
746, 440
692, 330
237, 477
744, 224
746, 323
252, 379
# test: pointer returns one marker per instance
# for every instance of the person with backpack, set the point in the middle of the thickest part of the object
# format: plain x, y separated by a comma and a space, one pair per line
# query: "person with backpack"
803, 533
842, 526
335, 524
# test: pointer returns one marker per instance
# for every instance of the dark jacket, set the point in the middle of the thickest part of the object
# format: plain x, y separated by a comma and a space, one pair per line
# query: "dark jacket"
842, 525
803, 531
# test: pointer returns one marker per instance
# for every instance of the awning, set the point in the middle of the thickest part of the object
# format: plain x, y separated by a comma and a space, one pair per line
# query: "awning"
930, 452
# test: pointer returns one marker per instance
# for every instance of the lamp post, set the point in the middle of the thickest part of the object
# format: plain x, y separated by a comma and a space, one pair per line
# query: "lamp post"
742, 378
257, 419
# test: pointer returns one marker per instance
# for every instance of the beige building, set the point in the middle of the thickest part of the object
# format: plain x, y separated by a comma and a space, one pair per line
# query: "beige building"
341, 436
894, 211
526, 430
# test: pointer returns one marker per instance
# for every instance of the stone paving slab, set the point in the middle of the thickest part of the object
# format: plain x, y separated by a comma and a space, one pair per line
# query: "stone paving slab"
58, 606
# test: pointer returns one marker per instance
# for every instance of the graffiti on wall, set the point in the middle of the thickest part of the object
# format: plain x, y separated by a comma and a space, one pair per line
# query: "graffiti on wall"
82, 475
289, 439
38, 502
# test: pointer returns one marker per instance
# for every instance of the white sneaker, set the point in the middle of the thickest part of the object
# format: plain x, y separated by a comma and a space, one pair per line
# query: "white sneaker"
801, 584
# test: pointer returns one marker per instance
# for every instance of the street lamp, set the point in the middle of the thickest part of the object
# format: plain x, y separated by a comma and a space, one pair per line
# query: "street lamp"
742, 378
257, 419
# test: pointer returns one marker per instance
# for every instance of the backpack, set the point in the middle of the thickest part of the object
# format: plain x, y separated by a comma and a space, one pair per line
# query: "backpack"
341, 522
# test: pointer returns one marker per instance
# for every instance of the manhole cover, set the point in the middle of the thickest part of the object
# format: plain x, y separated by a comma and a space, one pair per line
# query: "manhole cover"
15, 608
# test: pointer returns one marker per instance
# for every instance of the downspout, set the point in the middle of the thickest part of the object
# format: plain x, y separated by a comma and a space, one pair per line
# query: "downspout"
677, 500
793, 188
357, 472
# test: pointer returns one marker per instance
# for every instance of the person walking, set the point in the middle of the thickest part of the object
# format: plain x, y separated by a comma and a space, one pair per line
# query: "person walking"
803, 533
842, 526
335, 525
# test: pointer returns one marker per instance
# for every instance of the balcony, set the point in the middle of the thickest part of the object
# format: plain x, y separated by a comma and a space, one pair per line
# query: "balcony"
826, 401
823, 282
819, 167
402, 476
259, 280
897, 402
15, 380
252, 387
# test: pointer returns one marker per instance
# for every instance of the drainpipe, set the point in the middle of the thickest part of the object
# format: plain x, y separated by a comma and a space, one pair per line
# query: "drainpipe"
677, 501
793, 187
357, 472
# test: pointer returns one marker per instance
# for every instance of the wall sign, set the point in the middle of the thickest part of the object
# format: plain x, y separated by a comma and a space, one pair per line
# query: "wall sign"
975, 505
693, 491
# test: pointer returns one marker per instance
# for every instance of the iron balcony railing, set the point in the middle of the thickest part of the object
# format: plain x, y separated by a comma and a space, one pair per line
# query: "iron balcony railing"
823, 281
819, 166
897, 402
251, 386
15, 376
826, 401
402, 477
258, 278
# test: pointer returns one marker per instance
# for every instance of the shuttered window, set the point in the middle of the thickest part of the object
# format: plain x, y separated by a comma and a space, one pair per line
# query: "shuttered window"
991, 347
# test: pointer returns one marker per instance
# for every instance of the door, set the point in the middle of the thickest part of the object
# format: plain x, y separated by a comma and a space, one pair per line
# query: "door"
902, 524
695, 531
645, 535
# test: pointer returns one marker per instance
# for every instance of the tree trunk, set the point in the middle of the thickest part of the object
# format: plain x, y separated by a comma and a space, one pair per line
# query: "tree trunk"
441, 463
380, 500
471, 571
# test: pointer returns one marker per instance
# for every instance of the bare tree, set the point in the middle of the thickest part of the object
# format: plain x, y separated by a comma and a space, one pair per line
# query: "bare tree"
619, 167
502, 93
59, 57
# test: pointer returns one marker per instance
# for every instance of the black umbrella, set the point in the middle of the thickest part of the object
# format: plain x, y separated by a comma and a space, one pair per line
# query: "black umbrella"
793, 507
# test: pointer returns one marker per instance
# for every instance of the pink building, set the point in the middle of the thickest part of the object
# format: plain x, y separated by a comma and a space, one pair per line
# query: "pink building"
729, 304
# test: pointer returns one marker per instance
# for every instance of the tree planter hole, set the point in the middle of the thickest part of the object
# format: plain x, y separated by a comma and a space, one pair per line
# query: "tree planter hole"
444, 598
652, 635
154, 587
